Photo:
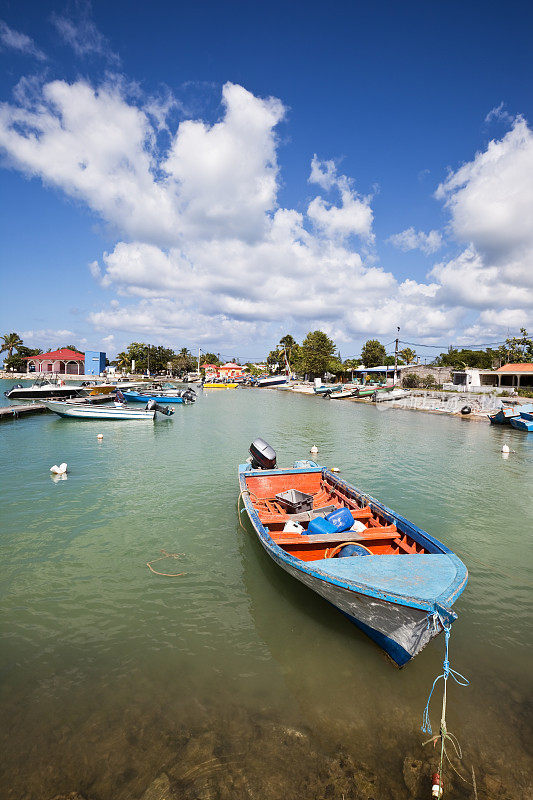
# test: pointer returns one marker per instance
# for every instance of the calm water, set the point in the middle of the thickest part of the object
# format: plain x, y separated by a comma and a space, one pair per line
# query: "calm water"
233, 680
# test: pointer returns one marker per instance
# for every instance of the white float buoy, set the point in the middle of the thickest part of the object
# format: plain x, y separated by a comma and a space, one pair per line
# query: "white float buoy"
505, 448
59, 470
314, 449
335, 469
100, 436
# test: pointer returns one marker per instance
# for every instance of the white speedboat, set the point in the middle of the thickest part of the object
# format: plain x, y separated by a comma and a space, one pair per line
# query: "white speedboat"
82, 411
273, 380
44, 388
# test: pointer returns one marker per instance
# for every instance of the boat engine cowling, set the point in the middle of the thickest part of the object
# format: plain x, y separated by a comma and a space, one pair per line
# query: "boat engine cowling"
189, 396
263, 455
151, 405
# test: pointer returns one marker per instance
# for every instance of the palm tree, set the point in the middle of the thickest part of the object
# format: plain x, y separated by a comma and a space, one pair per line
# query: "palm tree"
123, 361
11, 341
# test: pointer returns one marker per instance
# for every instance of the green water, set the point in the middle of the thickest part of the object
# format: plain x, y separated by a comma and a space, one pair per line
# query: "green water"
232, 679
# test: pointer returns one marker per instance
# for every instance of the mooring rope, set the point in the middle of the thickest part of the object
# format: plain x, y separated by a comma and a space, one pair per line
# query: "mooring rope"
444, 735
165, 574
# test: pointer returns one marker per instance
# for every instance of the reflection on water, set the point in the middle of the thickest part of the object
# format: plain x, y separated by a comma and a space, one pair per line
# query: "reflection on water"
233, 680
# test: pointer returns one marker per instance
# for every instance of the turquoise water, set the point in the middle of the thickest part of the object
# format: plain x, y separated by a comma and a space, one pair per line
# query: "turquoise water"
233, 680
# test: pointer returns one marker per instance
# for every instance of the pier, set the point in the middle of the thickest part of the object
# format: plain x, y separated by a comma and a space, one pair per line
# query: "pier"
16, 411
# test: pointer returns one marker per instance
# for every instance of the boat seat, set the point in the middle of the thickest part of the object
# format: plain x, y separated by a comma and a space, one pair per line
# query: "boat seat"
375, 534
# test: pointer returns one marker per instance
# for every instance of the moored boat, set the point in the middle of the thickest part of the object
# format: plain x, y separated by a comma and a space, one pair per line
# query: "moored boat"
184, 396
220, 385
272, 380
45, 388
507, 413
82, 411
523, 423
392, 579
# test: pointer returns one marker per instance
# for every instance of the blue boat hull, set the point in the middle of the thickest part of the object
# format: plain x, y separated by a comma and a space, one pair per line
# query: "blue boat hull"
399, 601
159, 398
508, 413
523, 423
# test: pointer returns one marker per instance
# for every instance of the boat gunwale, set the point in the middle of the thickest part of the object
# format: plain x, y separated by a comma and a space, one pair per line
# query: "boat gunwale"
444, 601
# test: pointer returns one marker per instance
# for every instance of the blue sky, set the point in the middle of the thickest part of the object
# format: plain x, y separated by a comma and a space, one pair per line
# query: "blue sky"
220, 174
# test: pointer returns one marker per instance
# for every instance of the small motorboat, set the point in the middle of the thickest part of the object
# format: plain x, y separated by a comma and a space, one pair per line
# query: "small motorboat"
506, 414
392, 579
272, 380
115, 412
45, 388
161, 395
220, 385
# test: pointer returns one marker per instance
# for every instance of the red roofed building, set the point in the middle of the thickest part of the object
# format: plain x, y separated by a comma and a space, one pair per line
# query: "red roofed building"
516, 375
58, 362
230, 370
211, 370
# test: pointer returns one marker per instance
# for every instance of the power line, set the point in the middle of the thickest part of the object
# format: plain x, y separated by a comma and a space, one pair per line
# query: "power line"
445, 346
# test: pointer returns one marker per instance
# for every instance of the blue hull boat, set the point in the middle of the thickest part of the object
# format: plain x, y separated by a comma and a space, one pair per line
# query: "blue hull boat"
523, 423
393, 580
507, 413
138, 397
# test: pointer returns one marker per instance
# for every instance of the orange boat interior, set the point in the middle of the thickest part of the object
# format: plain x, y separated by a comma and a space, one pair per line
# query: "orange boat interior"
379, 537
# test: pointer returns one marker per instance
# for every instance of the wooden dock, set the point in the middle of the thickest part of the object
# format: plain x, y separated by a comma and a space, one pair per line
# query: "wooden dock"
14, 412
17, 411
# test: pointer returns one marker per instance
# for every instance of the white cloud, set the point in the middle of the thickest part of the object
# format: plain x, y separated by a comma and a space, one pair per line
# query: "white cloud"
354, 215
204, 253
490, 200
410, 239
82, 35
14, 40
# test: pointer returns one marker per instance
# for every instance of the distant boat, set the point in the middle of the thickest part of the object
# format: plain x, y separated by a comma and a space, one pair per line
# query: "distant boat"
507, 413
185, 396
220, 385
523, 423
44, 388
273, 380
341, 394
81, 411
392, 579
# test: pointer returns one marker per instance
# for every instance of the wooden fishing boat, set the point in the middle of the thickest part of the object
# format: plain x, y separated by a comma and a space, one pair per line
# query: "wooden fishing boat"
392, 579
523, 423
507, 413
80, 411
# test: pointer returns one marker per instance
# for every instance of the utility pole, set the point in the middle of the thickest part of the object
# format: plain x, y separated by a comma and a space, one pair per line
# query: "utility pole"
148, 359
198, 361
396, 357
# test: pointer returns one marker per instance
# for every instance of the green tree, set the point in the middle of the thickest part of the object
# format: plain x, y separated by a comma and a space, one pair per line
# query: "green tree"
373, 353
407, 355
316, 353
10, 342
184, 361
122, 361
210, 358
17, 361
517, 349
460, 359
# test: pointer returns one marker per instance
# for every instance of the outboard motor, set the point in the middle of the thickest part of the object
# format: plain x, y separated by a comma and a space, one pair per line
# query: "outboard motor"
189, 396
263, 455
151, 405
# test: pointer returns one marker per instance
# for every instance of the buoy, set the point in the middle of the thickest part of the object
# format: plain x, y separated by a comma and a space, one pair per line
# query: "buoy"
436, 785
335, 469
59, 470
100, 436
505, 448
314, 449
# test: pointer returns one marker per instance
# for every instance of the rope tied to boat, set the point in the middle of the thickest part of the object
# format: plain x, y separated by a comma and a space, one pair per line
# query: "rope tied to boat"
444, 735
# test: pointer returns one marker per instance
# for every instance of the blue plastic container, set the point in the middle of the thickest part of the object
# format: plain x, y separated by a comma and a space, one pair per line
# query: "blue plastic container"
341, 519
352, 550
320, 525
